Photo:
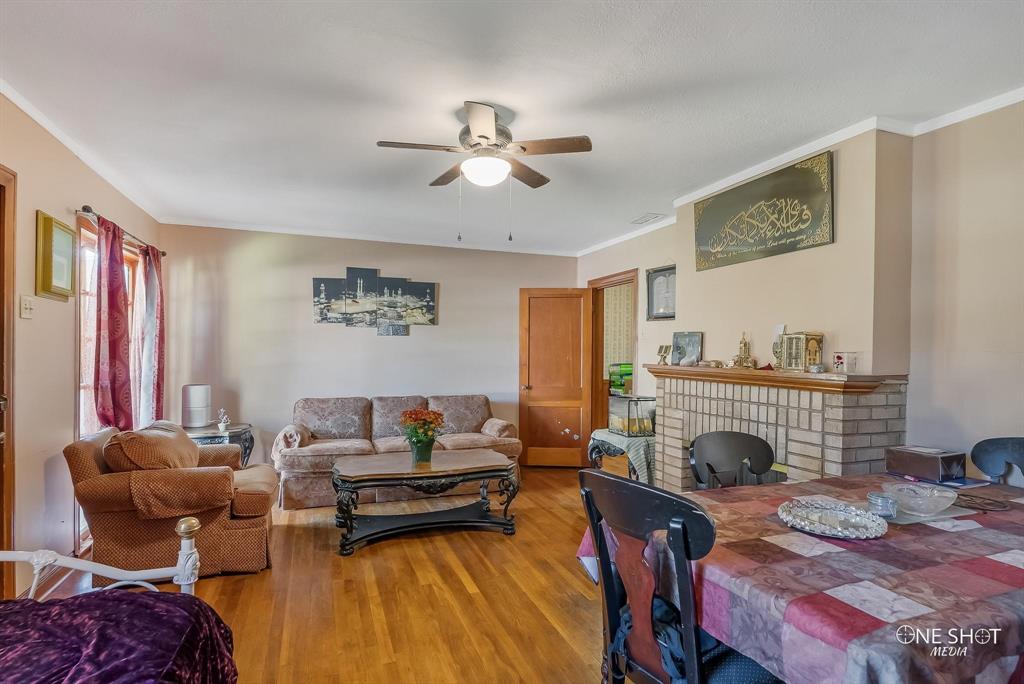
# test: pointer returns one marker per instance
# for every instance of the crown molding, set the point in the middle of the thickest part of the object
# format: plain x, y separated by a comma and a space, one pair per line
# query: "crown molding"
118, 181
650, 228
878, 123
969, 112
364, 237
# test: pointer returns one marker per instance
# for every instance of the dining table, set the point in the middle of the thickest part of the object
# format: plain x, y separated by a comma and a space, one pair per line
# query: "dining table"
940, 600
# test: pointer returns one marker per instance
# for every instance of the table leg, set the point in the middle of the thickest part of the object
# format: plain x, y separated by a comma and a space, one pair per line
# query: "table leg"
508, 487
348, 501
485, 500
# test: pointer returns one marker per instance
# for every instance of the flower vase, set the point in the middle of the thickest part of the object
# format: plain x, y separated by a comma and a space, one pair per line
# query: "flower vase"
421, 451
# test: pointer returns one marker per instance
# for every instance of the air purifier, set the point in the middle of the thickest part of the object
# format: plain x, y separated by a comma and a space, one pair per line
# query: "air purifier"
196, 405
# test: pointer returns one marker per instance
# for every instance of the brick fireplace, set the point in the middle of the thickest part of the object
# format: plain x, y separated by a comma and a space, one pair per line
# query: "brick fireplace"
820, 425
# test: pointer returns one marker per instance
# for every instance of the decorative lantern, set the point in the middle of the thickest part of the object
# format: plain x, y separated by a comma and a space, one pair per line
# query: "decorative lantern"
801, 350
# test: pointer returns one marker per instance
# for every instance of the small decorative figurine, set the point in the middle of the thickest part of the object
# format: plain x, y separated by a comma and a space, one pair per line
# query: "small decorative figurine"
743, 359
223, 421
778, 347
663, 351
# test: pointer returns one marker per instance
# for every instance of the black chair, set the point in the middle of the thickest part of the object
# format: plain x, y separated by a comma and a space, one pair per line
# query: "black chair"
727, 459
633, 511
992, 456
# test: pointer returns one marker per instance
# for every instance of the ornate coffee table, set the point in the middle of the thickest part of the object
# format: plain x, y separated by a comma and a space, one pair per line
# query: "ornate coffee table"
446, 470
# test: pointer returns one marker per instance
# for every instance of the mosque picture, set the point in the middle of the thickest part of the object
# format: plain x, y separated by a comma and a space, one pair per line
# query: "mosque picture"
365, 299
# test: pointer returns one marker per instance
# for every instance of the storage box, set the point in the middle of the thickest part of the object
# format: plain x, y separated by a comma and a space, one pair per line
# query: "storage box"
926, 463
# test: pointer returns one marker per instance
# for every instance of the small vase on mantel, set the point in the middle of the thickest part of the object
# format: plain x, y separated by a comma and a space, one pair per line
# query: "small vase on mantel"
422, 451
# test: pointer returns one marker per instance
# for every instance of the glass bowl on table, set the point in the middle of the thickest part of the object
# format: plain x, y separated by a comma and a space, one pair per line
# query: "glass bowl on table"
920, 499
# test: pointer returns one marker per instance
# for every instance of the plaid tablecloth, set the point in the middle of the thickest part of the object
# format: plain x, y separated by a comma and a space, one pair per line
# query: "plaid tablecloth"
921, 604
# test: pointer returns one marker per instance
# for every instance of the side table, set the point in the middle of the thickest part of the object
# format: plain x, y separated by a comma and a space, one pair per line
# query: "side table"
237, 433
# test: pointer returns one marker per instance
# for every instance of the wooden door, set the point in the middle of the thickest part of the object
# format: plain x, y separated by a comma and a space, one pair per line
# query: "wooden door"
555, 375
7, 194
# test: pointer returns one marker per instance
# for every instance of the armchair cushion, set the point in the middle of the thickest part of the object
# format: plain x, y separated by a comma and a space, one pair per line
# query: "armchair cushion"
255, 491
161, 445
496, 427
173, 493
212, 455
387, 445
462, 412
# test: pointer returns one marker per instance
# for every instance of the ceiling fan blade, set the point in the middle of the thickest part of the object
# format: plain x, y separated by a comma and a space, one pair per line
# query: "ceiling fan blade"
523, 173
576, 143
418, 146
481, 119
448, 176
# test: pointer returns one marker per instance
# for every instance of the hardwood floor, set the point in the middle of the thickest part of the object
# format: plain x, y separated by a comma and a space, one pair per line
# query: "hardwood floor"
443, 606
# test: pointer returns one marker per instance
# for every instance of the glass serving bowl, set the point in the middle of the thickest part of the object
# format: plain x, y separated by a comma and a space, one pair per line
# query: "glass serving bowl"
920, 499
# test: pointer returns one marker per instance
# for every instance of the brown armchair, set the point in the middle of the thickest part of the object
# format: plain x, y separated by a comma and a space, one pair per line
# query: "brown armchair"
132, 509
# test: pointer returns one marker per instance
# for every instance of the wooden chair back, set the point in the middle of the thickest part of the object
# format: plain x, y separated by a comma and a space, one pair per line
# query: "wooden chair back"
993, 455
718, 458
633, 511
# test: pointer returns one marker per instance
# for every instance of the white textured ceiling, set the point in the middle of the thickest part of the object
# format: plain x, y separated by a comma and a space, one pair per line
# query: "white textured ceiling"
265, 114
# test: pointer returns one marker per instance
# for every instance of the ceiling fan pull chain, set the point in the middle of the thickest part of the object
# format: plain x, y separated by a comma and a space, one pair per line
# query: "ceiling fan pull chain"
510, 208
460, 206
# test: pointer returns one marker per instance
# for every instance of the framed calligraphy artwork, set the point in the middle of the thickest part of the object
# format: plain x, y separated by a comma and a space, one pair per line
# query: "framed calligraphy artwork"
785, 211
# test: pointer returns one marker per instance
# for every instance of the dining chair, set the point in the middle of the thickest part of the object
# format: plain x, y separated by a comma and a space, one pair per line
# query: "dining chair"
719, 459
992, 456
631, 512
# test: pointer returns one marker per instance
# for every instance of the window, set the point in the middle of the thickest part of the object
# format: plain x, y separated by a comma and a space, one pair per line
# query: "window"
87, 421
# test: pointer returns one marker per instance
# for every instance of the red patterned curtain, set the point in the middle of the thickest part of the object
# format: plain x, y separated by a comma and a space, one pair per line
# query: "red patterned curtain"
150, 291
112, 378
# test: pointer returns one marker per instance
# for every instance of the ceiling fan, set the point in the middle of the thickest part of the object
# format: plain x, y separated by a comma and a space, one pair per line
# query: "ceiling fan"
494, 152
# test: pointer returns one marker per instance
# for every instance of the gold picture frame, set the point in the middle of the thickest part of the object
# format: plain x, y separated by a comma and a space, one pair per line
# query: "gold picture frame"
55, 258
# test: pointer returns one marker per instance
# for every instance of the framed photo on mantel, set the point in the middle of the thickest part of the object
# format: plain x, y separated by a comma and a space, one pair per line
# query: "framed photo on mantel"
661, 293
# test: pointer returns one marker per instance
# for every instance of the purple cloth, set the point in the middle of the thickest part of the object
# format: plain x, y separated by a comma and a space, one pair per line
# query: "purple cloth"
115, 636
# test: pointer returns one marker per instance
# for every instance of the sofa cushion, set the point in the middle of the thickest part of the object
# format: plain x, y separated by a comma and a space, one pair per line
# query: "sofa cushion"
255, 491
334, 418
161, 445
462, 412
468, 440
386, 445
319, 455
387, 413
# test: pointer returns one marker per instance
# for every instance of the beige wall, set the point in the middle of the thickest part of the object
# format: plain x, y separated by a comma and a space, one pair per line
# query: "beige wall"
967, 320
52, 179
240, 318
829, 288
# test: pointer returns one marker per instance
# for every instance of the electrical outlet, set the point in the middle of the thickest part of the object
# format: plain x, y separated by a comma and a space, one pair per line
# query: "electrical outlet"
28, 306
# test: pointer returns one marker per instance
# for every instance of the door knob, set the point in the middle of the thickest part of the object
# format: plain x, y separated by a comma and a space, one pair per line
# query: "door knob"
526, 387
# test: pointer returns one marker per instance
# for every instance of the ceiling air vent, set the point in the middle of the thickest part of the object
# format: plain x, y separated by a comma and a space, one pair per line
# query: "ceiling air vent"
646, 218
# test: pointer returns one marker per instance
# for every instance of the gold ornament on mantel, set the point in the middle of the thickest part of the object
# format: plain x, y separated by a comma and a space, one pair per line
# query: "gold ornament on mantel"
743, 359
663, 351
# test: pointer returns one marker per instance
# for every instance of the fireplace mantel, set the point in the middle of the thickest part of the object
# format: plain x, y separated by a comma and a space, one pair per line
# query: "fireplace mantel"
829, 383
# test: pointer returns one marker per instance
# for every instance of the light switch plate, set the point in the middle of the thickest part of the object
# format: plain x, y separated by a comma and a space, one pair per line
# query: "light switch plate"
28, 306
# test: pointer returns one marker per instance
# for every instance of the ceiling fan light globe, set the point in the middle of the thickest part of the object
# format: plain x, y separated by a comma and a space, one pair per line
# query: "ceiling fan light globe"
485, 171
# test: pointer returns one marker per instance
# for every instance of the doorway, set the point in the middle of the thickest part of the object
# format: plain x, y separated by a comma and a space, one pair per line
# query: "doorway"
614, 339
8, 180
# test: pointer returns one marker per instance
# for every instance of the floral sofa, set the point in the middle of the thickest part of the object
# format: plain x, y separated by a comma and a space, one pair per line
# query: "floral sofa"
323, 430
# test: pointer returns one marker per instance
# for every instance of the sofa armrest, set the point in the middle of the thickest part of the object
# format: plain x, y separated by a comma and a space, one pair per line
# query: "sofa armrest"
174, 492
292, 436
496, 427
109, 493
212, 455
